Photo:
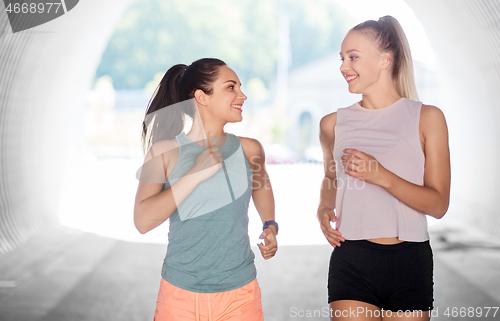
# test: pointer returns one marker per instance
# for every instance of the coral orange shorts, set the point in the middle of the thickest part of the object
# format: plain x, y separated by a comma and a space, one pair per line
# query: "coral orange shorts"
176, 304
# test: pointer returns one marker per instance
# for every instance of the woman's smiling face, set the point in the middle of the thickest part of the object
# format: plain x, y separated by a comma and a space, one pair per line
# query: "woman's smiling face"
362, 62
226, 101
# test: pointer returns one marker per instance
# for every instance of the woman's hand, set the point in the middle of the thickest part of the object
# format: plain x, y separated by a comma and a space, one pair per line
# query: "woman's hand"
325, 216
270, 246
207, 165
363, 166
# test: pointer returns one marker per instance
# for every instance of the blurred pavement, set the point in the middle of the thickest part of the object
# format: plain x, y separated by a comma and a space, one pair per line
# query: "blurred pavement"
64, 275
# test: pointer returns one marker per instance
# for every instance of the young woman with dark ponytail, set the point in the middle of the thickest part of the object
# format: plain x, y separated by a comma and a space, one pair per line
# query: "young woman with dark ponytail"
202, 181
387, 166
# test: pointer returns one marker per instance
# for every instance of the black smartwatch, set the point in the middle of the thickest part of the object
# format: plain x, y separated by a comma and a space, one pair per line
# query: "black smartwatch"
271, 222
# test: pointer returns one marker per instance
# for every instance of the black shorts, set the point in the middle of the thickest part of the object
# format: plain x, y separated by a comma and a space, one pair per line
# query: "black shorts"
392, 277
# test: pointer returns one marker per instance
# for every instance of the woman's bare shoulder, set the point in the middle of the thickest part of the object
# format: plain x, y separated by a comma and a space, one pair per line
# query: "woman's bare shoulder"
162, 147
327, 124
431, 111
432, 118
251, 146
329, 120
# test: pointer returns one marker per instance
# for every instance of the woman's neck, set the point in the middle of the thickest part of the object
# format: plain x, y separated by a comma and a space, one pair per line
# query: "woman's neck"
380, 100
380, 94
204, 132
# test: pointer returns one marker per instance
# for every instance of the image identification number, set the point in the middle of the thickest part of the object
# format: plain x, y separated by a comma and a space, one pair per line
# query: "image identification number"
32, 7
471, 312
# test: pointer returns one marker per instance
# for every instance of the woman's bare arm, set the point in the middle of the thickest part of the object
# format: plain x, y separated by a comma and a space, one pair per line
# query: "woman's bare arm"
328, 191
262, 193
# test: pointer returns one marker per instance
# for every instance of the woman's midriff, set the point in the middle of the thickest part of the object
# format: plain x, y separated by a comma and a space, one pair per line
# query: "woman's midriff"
386, 240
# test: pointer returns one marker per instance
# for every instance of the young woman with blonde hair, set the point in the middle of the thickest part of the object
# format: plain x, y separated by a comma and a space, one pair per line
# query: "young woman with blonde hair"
202, 182
387, 166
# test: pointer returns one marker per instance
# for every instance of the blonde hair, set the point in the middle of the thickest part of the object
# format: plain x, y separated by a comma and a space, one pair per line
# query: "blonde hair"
389, 36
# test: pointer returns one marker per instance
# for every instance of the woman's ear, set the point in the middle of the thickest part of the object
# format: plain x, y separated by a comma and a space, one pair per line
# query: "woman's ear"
201, 97
386, 60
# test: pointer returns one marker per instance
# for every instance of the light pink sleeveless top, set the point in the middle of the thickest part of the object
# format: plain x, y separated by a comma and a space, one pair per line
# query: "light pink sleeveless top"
391, 135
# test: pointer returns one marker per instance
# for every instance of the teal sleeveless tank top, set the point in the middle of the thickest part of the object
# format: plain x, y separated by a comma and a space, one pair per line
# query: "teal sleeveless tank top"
208, 245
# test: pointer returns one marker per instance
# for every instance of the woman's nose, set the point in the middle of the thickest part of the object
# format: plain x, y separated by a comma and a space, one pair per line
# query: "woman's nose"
344, 68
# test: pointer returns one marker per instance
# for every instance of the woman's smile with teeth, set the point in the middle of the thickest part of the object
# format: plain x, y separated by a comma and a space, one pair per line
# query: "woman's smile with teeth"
350, 78
237, 107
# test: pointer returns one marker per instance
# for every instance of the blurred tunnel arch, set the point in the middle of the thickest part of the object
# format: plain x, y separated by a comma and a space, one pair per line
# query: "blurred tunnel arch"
37, 139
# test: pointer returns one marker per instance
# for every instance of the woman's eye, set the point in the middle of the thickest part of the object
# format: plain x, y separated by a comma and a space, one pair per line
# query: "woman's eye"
231, 87
353, 57
341, 59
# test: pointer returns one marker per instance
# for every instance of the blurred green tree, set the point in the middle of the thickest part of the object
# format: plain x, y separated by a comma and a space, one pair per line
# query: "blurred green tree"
155, 34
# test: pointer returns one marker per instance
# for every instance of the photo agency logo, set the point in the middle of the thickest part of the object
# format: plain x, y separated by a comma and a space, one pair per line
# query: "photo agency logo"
29, 14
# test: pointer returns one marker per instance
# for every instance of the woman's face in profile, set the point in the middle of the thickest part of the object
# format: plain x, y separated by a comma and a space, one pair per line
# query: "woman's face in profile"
226, 101
361, 62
